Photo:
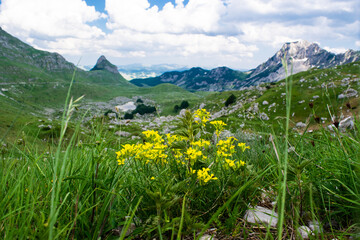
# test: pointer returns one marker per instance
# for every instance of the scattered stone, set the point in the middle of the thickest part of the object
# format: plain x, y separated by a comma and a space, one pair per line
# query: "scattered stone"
261, 215
202, 105
135, 137
207, 237
223, 135
347, 123
302, 101
304, 231
315, 226
263, 116
122, 134
315, 97
300, 125
182, 112
348, 93
272, 105
265, 102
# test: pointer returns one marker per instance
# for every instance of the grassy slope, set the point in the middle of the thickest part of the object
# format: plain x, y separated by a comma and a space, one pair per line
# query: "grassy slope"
300, 92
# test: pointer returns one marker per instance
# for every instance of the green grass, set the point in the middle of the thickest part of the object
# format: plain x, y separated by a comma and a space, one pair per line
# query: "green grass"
65, 183
77, 190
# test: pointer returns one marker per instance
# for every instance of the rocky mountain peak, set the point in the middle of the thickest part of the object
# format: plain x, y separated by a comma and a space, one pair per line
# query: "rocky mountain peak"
103, 64
301, 56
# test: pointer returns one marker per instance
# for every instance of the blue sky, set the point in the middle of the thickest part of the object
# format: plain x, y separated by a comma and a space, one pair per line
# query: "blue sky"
240, 34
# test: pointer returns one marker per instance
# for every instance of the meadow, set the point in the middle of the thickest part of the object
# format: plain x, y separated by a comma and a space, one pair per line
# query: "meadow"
193, 182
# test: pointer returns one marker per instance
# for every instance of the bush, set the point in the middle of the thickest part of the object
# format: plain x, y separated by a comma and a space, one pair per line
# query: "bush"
139, 100
176, 108
231, 99
143, 109
184, 104
128, 116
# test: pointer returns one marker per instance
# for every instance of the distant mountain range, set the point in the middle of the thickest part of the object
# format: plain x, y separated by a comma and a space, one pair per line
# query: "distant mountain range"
198, 79
300, 56
21, 62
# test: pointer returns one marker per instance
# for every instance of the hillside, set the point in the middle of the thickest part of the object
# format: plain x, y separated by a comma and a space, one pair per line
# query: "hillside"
332, 91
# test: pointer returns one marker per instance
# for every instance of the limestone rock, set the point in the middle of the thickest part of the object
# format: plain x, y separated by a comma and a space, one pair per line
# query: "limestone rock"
264, 116
300, 125
261, 215
347, 123
304, 231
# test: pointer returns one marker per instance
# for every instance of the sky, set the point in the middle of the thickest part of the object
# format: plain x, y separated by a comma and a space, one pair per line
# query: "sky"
240, 34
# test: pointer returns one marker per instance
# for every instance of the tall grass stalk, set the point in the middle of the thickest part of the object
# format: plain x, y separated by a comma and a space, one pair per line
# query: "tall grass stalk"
61, 161
284, 165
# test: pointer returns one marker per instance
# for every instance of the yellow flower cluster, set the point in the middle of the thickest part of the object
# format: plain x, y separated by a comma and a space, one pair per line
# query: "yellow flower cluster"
156, 150
153, 136
219, 126
234, 165
201, 143
203, 175
243, 146
128, 151
226, 147
153, 150
193, 155
201, 116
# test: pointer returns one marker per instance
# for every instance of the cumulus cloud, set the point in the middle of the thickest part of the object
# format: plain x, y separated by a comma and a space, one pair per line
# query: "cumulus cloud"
201, 32
50, 18
196, 16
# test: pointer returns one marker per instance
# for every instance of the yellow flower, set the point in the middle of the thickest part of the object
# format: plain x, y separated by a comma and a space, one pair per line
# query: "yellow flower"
225, 148
153, 136
201, 143
152, 178
201, 116
203, 175
243, 146
193, 155
219, 126
171, 139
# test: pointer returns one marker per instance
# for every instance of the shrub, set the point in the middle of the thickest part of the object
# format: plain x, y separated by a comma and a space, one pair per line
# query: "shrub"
143, 109
184, 104
231, 99
176, 108
128, 116
139, 100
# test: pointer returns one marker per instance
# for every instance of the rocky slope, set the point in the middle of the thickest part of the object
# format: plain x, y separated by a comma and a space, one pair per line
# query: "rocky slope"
300, 56
198, 79
16, 50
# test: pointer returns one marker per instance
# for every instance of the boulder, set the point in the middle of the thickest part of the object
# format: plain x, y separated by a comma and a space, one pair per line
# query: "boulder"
261, 215
304, 231
315, 226
347, 123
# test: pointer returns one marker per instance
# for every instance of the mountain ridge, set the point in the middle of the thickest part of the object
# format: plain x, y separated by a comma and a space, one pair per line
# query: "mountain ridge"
300, 56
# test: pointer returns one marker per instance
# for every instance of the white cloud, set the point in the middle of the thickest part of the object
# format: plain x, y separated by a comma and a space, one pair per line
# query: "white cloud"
335, 50
49, 18
196, 16
203, 32
239, 7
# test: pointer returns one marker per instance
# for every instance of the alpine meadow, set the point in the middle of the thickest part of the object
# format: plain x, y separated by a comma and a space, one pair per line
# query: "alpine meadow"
177, 152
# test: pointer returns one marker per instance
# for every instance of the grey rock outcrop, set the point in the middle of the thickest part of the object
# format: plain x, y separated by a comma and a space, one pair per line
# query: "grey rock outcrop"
103, 64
